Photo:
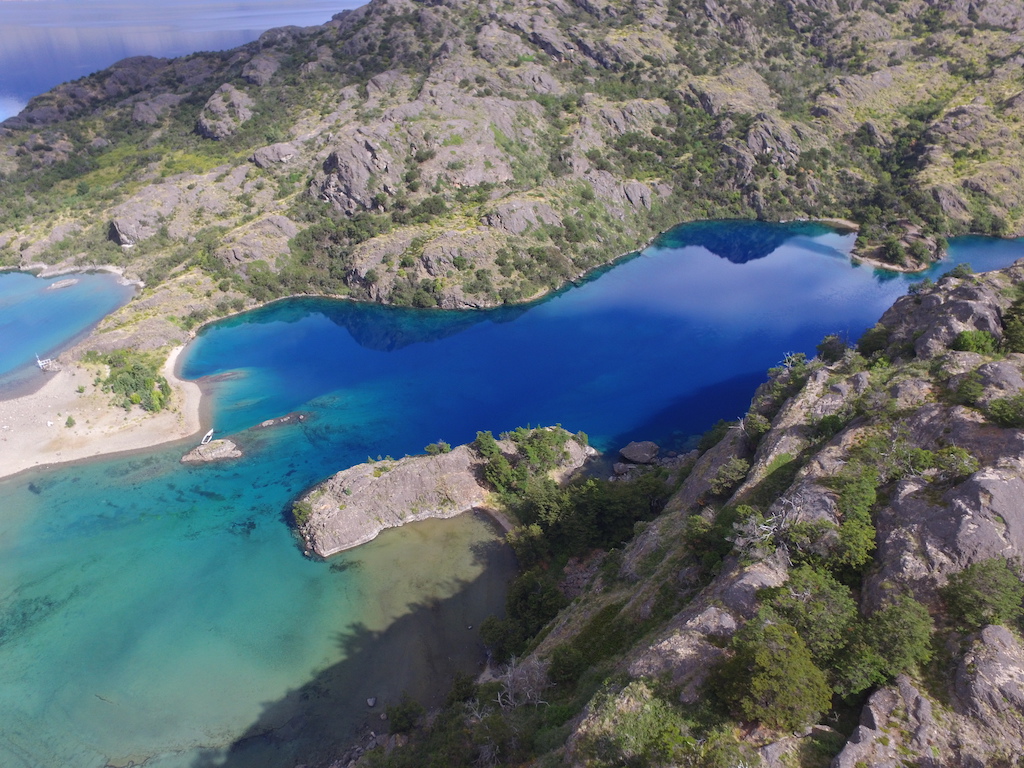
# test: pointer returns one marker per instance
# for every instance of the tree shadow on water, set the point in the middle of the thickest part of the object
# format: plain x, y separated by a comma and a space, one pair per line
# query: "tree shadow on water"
417, 654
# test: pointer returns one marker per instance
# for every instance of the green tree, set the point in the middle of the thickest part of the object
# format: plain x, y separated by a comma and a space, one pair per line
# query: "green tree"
772, 678
820, 609
857, 495
983, 593
402, 716
832, 348
729, 476
901, 635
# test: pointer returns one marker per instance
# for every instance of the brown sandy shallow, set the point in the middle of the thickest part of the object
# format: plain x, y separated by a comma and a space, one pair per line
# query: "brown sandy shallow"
33, 431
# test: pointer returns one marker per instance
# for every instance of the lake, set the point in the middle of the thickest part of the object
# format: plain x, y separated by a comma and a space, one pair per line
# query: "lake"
47, 42
45, 316
152, 611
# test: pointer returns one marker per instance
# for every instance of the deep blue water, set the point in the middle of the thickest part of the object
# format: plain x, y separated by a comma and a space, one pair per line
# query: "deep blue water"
153, 611
38, 320
47, 42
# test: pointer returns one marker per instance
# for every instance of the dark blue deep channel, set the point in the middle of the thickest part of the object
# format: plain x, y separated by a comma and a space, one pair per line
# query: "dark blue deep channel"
155, 612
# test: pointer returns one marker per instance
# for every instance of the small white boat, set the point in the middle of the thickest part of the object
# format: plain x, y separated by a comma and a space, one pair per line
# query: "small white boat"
207, 437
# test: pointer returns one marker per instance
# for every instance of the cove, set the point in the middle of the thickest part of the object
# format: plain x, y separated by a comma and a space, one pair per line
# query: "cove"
39, 317
155, 612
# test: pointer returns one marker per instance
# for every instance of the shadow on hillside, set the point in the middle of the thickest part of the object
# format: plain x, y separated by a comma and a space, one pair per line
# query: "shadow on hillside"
418, 654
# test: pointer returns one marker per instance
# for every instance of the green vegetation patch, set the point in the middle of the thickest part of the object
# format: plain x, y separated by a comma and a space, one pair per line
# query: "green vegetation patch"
134, 379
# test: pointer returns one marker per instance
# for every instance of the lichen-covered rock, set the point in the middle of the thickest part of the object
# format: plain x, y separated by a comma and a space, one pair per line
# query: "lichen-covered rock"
224, 113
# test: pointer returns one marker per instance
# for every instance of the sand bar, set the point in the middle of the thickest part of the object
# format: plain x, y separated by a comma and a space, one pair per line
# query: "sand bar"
33, 429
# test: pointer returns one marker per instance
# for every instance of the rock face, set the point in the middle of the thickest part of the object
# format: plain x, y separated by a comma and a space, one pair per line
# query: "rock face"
215, 450
356, 504
224, 113
948, 493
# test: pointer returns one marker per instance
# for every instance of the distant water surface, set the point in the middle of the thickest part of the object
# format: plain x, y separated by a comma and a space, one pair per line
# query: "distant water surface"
162, 614
47, 42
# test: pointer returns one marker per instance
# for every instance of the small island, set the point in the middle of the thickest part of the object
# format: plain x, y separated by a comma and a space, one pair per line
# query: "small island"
356, 504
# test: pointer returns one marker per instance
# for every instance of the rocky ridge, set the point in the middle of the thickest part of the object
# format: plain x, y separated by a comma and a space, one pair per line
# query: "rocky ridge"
924, 422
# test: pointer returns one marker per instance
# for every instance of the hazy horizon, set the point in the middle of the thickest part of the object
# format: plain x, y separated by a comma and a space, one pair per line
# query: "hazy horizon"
47, 42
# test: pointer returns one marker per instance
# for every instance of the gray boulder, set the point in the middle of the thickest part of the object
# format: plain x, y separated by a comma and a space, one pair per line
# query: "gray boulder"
644, 452
265, 157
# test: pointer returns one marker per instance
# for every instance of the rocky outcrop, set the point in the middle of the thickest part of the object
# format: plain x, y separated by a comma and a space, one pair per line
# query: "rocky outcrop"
640, 452
267, 157
224, 113
356, 504
150, 111
215, 450
985, 725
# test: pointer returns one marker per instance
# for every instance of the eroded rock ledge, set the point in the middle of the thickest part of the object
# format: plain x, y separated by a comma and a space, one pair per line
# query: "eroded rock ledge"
215, 450
356, 504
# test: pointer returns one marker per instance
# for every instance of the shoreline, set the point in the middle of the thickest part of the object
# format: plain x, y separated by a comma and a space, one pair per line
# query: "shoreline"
33, 417
34, 432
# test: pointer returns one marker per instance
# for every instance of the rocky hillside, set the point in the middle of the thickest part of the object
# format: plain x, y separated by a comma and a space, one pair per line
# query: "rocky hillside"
465, 154
836, 580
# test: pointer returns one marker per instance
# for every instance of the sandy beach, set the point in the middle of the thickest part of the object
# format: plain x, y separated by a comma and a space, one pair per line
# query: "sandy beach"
33, 429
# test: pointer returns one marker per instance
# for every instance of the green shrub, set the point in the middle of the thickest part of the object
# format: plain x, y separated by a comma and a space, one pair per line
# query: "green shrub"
956, 463
902, 633
439, 447
983, 593
771, 678
729, 476
960, 271
832, 348
755, 426
302, 511
70, 422
857, 494
713, 436
874, 340
135, 377
1007, 411
968, 391
829, 426
402, 716
982, 342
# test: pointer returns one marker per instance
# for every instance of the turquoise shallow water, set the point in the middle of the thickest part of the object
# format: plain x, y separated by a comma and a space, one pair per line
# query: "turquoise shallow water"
154, 611
38, 320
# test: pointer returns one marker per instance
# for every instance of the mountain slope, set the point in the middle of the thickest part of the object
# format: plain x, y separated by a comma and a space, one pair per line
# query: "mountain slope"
837, 581
463, 154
